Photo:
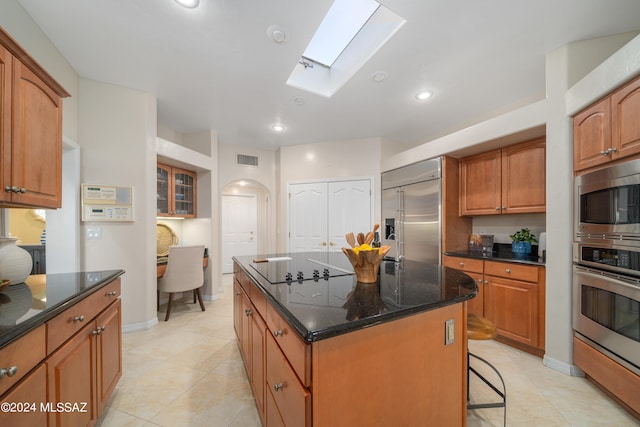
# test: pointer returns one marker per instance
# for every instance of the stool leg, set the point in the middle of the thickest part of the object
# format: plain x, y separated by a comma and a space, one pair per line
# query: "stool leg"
503, 395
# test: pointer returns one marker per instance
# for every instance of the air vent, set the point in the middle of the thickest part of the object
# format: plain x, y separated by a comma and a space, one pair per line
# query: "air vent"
243, 159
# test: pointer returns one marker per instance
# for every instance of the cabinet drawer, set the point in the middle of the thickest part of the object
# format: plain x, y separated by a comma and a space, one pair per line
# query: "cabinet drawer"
23, 354
527, 273
258, 300
31, 391
465, 264
67, 323
295, 350
292, 399
244, 281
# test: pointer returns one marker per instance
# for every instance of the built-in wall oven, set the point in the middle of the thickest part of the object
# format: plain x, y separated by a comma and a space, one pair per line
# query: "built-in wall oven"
606, 271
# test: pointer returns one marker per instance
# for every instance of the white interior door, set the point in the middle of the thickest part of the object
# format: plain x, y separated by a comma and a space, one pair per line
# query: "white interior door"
239, 225
349, 210
308, 217
321, 213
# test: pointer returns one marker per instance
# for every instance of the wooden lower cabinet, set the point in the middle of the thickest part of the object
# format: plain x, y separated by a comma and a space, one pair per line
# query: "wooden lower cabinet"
71, 373
258, 360
72, 385
474, 268
86, 369
609, 374
512, 296
31, 392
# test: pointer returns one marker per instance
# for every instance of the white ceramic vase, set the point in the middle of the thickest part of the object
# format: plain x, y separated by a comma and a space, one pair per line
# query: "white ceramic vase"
15, 262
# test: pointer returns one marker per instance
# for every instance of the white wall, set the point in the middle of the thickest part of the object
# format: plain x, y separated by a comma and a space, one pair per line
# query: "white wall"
24, 30
327, 160
262, 184
118, 139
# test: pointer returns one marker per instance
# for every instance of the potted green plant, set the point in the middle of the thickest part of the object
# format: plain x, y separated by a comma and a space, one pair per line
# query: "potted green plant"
521, 241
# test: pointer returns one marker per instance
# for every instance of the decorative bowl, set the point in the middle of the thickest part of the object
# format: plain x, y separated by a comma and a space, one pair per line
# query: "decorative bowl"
366, 262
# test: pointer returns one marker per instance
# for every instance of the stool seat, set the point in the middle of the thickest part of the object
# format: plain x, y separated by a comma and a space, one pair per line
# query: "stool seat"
480, 328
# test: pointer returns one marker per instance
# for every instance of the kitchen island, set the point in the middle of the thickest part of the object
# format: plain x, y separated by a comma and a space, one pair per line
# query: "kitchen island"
322, 349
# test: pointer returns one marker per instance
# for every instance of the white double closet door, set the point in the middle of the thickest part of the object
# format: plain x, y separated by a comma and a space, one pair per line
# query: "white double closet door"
321, 213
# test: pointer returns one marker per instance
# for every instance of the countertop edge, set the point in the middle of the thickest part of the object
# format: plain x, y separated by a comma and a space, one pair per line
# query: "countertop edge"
36, 321
496, 258
309, 337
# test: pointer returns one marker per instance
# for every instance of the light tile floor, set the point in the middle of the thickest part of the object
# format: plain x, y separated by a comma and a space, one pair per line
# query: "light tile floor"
188, 372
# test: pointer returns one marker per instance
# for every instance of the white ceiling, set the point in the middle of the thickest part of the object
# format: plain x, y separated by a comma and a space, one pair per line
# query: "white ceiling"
215, 67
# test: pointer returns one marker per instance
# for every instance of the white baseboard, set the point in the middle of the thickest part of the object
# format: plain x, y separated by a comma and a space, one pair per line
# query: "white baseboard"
560, 366
139, 326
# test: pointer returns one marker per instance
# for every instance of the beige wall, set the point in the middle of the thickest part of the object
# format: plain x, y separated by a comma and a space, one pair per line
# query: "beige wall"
26, 226
327, 160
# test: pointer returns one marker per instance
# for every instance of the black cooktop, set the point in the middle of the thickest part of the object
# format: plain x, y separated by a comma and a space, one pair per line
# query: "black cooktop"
299, 268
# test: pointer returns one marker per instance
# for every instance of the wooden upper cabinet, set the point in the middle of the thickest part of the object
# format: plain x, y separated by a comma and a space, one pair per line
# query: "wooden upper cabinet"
608, 130
625, 119
30, 130
524, 177
36, 149
480, 181
176, 192
510, 180
6, 61
592, 135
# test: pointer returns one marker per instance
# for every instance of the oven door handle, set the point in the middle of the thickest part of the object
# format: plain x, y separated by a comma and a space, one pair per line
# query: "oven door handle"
597, 274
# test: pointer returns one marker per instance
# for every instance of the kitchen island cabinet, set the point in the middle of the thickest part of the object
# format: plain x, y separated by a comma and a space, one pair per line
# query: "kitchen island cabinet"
342, 353
60, 341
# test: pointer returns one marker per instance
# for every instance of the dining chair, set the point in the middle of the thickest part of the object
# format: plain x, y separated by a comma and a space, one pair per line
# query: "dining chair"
184, 273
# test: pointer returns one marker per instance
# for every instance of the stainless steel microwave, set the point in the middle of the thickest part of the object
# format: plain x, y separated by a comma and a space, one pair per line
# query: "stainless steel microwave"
607, 204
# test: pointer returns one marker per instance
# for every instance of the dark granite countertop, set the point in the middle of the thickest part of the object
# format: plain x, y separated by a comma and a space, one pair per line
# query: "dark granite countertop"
325, 307
502, 252
27, 305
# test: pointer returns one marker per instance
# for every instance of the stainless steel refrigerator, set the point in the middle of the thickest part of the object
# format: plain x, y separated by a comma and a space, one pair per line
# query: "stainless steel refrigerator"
411, 211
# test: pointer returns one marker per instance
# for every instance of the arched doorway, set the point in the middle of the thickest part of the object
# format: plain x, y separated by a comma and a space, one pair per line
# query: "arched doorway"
244, 221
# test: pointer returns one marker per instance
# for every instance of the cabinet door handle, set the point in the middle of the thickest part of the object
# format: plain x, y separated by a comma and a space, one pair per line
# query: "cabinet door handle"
479, 280
278, 387
461, 264
247, 312
78, 319
497, 208
486, 282
507, 271
99, 330
112, 294
9, 372
7, 189
278, 333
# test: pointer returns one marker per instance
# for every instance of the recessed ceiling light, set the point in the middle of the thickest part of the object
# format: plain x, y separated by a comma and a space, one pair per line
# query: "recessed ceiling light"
277, 34
424, 94
188, 3
277, 127
379, 76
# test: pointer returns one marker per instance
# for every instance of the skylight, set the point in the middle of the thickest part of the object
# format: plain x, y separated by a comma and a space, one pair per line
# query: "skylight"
341, 24
349, 35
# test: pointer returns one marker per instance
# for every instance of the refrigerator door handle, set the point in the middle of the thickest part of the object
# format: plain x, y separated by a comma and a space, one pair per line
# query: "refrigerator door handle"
400, 229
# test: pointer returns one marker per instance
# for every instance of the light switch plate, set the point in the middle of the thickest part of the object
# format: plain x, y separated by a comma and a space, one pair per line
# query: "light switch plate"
94, 233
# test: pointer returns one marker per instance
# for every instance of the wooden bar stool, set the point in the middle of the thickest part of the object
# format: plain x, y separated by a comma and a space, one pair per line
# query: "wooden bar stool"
479, 328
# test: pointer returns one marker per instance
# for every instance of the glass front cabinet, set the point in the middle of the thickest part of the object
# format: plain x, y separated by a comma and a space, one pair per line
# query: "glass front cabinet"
176, 192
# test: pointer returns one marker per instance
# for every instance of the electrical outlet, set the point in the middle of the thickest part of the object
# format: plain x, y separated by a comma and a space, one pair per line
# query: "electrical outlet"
449, 331
94, 233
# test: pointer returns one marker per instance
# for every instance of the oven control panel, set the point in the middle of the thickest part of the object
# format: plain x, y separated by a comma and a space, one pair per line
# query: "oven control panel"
620, 258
